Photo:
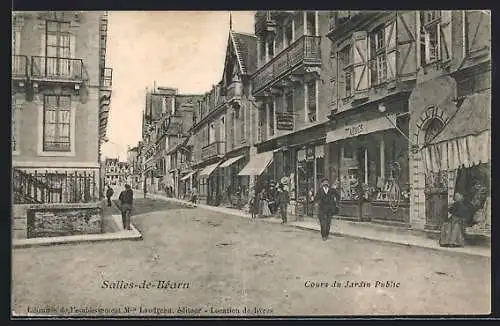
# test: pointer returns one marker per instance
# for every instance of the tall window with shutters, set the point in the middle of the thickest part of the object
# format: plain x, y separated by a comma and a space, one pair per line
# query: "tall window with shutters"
271, 117
242, 125
430, 36
57, 123
378, 60
311, 101
58, 49
15, 121
345, 71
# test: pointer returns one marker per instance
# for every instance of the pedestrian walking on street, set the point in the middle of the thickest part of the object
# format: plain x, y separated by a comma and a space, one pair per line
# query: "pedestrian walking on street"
126, 199
109, 194
194, 196
327, 199
283, 199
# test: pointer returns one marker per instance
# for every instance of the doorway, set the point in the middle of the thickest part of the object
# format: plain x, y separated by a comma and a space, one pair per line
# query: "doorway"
436, 184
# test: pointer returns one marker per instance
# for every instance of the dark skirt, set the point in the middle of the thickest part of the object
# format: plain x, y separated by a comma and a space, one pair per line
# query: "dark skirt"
452, 233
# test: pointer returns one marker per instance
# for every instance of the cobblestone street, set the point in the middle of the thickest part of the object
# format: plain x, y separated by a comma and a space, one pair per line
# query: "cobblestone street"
230, 263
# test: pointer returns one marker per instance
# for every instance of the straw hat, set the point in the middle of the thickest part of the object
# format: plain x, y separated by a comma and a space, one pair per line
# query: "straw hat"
284, 180
325, 181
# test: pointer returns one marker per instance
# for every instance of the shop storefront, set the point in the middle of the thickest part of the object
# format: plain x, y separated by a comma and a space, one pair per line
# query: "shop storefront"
209, 184
462, 150
368, 163
235, 186
310, 169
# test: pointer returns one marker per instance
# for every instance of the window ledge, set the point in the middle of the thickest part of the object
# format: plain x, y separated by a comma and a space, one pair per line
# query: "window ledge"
56, 154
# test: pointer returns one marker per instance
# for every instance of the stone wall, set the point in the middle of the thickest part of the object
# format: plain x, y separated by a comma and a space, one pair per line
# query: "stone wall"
50, 220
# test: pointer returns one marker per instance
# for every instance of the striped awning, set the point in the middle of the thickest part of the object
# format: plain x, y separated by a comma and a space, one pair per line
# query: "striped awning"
208, 170
465, 140
187, 176
257, 164
231, 161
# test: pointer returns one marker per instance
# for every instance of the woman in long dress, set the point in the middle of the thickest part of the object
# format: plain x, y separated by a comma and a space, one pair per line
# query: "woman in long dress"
453, 229
264, 204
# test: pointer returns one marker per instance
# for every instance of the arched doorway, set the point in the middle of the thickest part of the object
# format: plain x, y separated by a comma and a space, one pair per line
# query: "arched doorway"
436, 183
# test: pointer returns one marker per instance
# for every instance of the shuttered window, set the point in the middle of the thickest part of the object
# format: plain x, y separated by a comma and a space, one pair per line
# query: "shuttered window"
378, 59
345, 71
311, 101
56, 123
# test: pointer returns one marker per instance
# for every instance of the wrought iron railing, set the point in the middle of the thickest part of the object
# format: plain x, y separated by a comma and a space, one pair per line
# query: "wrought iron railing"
213, 150
54, 187
306, 49
19, 66
285, 120
57, 68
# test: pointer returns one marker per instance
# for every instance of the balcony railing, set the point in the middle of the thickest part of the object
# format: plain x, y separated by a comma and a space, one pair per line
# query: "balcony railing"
57, 68
53, 187
304, 50
213, 150
235, 90
19, 66
285, 120
107, 78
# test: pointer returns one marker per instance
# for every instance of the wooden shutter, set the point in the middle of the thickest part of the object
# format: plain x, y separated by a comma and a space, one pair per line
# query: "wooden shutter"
43, 50
334, 79
445, 35
406, 43
341, 79
478, 30
390, 49
360, 63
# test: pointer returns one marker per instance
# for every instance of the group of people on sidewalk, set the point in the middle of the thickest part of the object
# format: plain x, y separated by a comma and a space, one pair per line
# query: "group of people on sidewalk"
276, 199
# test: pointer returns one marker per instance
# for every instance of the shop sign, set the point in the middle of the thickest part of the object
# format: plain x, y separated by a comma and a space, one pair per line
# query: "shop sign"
362, 128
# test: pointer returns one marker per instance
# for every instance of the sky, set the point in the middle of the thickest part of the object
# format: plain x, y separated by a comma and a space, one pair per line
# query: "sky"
183, 49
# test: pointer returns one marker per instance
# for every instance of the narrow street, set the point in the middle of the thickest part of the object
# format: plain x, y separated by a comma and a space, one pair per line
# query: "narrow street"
225, 263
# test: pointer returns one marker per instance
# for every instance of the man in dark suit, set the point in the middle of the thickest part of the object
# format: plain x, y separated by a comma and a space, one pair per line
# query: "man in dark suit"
126, 199
327, 199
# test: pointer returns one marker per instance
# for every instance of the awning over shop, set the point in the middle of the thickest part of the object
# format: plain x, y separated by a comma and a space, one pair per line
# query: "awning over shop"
257, 164
465, 140
187, 176
231, 161
362, 128
207, 171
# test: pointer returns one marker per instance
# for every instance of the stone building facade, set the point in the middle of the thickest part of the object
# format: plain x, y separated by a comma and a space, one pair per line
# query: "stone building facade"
61, 92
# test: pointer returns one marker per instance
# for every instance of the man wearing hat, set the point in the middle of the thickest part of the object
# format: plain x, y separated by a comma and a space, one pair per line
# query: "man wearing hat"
327, 199
283, 199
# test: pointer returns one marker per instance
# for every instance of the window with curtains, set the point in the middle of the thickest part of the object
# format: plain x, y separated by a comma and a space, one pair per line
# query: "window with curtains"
311, 101
58, 48
311, 23
270, 46
57, 123
271, 118
211, 133
242, 125
233, 129
223, 129
16, 110
429, 42
378, 60
288, 33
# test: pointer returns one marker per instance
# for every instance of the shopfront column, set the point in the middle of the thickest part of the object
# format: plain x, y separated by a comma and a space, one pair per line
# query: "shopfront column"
382, 158
366, 165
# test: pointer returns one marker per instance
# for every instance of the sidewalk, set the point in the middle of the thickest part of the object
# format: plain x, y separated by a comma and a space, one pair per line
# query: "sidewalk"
339, 227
